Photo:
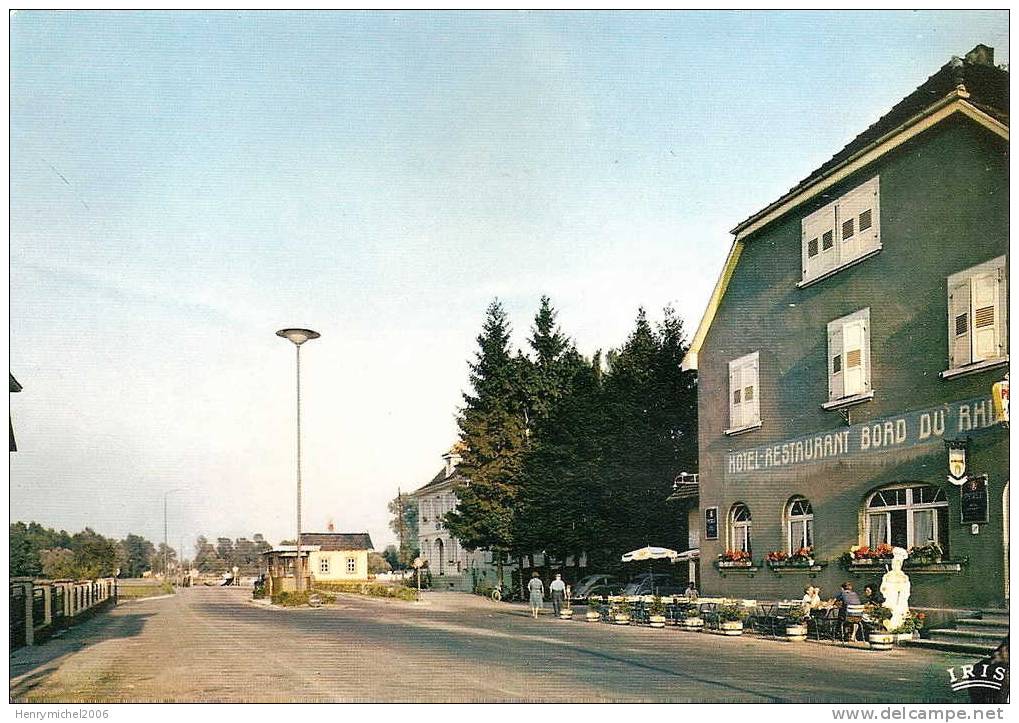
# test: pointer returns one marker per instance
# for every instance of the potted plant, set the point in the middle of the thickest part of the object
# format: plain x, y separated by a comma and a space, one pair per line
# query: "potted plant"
735, 558
879, 638
776, 558
730, 617
593, 612
796, 624
656, 619
693, 620
566, 611
619, 611
911, 626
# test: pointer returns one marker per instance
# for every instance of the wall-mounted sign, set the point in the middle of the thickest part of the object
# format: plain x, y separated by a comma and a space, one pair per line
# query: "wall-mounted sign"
973, 495
710, 523
999, 393
955, 420
956, 461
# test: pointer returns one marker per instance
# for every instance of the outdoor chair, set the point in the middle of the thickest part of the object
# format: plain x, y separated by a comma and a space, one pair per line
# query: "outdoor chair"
767, 622
852, 621
824, 624
640, 614
710, 616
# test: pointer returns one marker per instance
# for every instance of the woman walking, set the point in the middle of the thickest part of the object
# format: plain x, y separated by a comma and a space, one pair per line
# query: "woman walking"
537, 590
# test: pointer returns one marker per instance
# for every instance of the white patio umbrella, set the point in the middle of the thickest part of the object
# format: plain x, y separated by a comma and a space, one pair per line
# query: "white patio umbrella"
650, 553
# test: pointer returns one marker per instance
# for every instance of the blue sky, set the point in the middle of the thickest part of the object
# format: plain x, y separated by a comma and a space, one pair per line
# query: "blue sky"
184, 184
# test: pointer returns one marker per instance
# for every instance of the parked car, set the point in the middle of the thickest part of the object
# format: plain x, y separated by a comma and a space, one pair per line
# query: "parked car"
650, 585
584, 586
599, 591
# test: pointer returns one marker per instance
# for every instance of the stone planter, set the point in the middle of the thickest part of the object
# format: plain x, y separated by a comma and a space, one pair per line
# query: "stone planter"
621, 619
566, 614
902, 637
881, 641
657, 621
731, 627
694, 624
795, 633
592, 616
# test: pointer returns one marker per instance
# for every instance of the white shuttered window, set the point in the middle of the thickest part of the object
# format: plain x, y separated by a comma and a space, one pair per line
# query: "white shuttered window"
849, 356
744, 397
977, 314
842, 232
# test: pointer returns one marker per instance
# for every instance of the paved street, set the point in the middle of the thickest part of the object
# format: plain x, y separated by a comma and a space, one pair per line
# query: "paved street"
212, 644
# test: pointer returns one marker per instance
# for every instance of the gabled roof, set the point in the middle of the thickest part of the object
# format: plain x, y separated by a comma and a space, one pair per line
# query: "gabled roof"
983, 85
440, 478
972, 87
330, 541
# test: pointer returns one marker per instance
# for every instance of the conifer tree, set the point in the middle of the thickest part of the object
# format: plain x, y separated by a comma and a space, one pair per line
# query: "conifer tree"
493, 428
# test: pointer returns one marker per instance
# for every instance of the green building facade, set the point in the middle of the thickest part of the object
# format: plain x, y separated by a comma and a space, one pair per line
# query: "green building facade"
854, 337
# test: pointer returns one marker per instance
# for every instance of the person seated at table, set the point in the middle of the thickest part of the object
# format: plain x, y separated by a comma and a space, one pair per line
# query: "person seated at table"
872, 596
847, 596
811, 597
691, 591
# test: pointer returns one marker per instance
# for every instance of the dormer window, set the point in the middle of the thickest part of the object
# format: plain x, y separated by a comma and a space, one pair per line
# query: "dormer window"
842, 233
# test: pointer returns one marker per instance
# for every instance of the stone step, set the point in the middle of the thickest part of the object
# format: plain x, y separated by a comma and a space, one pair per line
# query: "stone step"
988, 626
977, 651
967, 636
994, 615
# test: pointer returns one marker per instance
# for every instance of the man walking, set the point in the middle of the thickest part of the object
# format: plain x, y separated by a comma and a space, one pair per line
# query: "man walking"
558, 589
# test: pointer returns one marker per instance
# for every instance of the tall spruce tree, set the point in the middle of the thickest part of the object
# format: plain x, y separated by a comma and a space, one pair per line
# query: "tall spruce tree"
493, 428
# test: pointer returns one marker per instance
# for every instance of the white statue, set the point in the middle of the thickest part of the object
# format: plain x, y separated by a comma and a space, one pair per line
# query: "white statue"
895, 589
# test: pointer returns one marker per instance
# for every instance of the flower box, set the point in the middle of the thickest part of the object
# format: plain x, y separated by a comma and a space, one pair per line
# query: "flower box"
731, 627
735, 563
693, 624
657, 621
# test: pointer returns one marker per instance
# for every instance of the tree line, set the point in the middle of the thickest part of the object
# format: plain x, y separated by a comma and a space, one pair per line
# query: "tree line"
570, 455
38, 551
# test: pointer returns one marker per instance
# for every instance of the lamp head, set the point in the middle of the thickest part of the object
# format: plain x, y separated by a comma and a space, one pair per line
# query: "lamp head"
298, 336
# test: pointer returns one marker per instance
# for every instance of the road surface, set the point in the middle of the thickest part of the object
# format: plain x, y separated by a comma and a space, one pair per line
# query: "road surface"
214, 644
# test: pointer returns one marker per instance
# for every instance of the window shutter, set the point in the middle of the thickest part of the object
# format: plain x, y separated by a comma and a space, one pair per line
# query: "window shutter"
959, 325
859, 221
984, 316
751, 395
836, 363
854, 375
819, 253
735, 396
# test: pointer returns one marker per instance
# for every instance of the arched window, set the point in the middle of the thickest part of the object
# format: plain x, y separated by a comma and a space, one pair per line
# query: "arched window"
908, 516
799, 524
739, 527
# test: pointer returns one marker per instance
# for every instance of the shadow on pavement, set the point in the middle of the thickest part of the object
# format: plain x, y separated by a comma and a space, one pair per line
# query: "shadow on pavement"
29, 664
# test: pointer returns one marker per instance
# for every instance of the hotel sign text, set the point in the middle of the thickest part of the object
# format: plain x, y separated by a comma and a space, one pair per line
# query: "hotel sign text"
902, 431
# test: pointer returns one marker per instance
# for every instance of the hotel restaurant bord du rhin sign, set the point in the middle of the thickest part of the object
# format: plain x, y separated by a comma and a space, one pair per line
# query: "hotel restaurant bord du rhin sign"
950, 421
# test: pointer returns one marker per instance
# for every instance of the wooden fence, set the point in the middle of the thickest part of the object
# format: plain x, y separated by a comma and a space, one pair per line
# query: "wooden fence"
39, 608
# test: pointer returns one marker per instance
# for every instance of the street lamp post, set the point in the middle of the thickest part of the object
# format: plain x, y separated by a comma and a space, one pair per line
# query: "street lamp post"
166, 544
298, 337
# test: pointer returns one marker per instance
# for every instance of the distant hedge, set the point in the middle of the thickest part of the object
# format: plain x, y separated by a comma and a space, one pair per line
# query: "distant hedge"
371, 589
297, 599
